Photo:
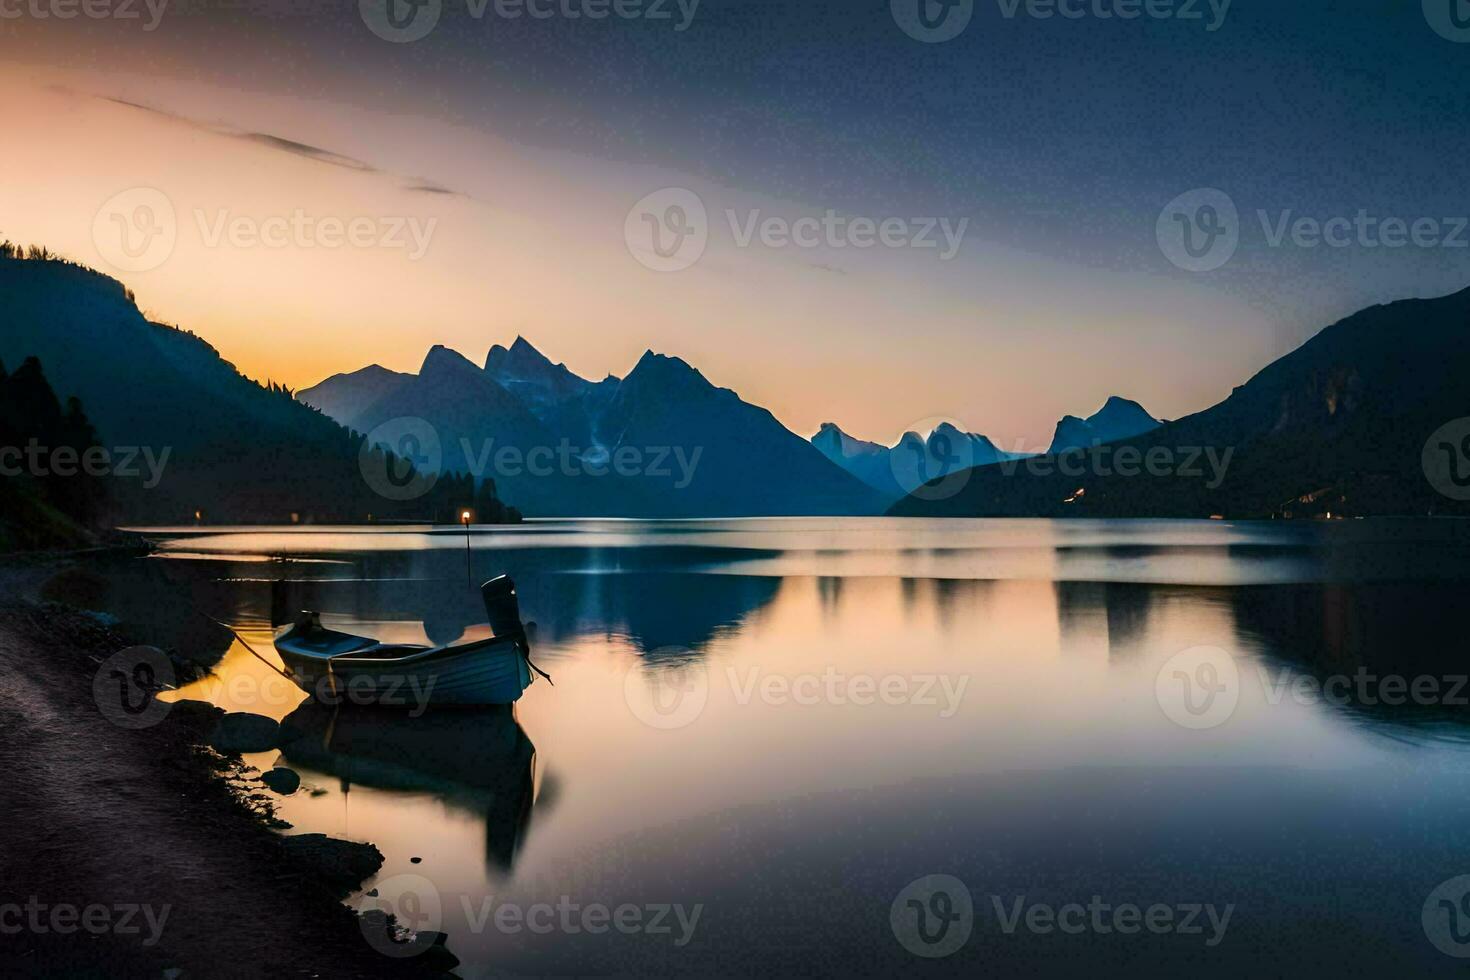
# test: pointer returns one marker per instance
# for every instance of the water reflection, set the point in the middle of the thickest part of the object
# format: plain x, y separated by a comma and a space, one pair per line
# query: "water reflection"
1391, 655
1113, 614
1058, 775
644, 595
478, 760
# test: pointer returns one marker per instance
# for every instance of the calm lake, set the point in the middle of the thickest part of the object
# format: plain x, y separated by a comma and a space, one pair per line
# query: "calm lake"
1175, 746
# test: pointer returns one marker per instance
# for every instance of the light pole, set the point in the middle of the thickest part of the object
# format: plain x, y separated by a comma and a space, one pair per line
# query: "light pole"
469, 571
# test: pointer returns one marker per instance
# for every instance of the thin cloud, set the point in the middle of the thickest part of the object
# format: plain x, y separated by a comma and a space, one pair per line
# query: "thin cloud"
282, 144
307, 150
422, 186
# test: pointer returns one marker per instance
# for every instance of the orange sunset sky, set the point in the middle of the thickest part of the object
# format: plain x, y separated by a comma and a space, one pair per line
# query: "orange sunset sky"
530, 240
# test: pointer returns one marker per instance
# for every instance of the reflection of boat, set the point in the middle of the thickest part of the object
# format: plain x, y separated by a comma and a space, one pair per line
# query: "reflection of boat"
492, 669
478, 759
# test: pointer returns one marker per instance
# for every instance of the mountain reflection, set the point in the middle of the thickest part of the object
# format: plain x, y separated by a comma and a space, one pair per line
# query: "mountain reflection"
1116, 613
654, 599
1367, 646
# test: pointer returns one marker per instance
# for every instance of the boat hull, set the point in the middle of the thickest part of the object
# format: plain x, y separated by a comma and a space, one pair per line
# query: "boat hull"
486, 673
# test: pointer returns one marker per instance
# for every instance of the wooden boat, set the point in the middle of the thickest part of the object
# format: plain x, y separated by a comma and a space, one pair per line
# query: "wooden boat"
493, 668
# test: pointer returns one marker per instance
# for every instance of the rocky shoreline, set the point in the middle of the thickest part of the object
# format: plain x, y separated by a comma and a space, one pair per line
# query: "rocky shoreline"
133, 851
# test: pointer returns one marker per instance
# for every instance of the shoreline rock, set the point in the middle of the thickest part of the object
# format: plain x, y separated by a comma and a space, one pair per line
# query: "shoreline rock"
242, 731
342, 865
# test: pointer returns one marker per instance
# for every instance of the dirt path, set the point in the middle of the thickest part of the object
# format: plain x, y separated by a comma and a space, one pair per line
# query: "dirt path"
95, 815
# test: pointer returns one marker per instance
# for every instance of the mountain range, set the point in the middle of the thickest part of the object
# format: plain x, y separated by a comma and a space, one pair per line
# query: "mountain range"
661, 442
1360, 420
916, 460
911, 462
1369, 417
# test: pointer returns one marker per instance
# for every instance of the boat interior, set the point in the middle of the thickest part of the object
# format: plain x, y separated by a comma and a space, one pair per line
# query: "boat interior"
308, 636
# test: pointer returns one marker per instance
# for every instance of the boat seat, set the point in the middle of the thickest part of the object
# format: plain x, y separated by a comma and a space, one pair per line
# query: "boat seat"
388, 651
330, 644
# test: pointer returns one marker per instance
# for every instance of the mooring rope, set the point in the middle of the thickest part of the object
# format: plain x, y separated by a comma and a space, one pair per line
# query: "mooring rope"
246, 644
